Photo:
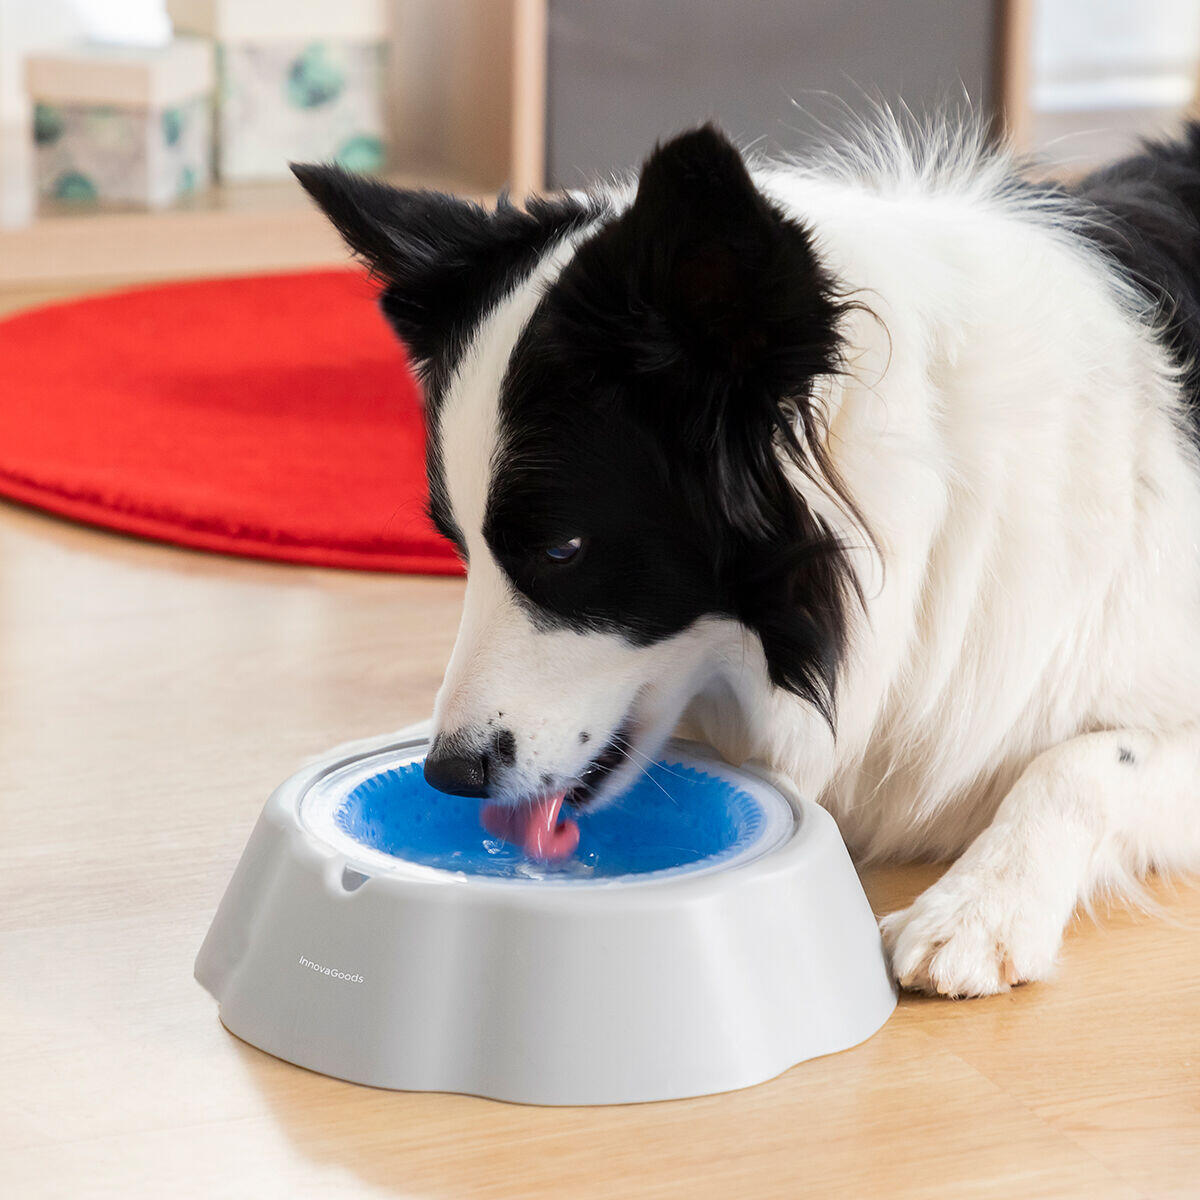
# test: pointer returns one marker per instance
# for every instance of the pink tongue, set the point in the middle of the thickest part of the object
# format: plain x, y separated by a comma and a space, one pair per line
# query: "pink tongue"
534, 827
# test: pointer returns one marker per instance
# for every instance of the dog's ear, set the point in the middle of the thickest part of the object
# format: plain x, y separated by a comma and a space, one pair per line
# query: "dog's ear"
735, 282
443, 261
712, 301
747, 318
715, 260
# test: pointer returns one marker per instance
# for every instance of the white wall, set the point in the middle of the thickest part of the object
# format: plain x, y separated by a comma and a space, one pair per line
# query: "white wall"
1101, 52
1107, 72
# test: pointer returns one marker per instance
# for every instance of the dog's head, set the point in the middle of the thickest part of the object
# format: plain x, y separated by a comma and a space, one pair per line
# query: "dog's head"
621, 416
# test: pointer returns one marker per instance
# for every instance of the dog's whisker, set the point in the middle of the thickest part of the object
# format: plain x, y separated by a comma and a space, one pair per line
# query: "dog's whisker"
646, 771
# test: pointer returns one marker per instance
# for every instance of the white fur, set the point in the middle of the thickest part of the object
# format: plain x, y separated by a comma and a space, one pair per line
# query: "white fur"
1011, 434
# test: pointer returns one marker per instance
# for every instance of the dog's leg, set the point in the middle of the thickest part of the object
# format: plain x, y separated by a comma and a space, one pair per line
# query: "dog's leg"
1095, 812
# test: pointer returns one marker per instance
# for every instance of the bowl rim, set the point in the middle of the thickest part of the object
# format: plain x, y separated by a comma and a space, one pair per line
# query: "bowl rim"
338, 855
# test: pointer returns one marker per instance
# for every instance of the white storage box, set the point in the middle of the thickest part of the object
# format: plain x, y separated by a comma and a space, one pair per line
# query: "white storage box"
299, 80
117, 125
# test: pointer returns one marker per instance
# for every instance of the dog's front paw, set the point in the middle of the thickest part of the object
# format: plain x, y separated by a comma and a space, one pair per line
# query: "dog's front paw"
971, 935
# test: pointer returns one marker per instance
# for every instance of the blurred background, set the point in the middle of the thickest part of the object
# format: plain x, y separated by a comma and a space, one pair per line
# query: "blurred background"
149, 138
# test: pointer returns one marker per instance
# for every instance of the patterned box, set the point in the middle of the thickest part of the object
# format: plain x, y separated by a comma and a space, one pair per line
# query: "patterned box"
300, 81
122, 126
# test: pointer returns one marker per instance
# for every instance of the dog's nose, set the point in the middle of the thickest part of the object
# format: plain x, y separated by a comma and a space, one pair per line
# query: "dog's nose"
450, 768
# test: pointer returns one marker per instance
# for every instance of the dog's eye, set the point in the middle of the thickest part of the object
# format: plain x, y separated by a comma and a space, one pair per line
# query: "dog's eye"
565, 551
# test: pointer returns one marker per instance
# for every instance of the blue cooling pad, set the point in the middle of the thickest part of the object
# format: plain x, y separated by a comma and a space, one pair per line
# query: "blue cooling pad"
672, 819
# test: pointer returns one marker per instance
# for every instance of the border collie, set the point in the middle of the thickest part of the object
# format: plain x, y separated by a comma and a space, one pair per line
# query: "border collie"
880, 468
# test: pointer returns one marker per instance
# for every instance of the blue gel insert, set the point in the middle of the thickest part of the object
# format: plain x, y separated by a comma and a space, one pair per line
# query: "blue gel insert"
672, 819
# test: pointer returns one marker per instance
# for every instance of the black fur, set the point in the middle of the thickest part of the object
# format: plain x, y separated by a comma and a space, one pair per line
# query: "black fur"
444, 264
645, 408
504, 747
1144, 212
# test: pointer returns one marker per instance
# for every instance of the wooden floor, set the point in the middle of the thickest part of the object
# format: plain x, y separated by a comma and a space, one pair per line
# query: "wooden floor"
149, 700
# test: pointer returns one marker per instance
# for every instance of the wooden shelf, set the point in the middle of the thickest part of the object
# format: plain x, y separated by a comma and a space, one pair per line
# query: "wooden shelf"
225, 230
467, 109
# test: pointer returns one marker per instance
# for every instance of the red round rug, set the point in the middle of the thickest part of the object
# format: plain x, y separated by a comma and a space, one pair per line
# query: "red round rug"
272, 417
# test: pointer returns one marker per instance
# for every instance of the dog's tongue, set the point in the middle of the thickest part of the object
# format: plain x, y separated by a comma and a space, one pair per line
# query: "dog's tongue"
534, 827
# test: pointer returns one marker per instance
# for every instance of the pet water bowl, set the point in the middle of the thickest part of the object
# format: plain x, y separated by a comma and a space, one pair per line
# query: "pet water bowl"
709, 933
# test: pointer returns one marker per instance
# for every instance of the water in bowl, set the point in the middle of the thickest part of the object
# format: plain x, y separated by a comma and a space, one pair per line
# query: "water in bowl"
675, 818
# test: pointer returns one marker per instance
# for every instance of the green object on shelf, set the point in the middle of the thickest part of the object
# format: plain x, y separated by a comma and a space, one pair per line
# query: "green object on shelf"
75, 188
363, 153
172, 125
48, 124
314, 78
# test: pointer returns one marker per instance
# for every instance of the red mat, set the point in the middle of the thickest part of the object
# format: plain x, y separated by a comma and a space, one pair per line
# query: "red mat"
271, 417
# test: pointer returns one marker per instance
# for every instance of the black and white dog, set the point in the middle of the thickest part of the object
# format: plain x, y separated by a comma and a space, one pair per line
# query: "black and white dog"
882, 469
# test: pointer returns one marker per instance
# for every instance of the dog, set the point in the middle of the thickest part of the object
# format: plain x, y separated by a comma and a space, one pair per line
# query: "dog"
880, 467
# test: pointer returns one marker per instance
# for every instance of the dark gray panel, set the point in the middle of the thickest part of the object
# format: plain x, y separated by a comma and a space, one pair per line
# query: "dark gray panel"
623, 73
